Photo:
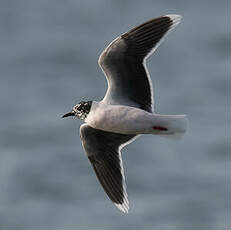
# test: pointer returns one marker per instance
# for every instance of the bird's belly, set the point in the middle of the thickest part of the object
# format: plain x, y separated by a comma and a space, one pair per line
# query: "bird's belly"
121, 119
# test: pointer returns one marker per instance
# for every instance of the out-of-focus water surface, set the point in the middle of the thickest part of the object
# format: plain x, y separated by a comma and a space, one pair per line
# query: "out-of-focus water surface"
48, 62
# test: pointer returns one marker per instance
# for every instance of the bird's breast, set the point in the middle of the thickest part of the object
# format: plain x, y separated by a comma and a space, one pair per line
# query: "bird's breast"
119, 119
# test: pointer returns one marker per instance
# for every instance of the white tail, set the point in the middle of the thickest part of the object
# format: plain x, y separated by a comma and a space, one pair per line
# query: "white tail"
171, 126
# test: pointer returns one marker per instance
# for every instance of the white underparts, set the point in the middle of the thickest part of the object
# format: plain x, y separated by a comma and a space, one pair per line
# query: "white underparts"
131, 120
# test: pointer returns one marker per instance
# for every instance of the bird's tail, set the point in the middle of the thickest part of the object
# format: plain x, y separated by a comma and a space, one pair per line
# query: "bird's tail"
171, 126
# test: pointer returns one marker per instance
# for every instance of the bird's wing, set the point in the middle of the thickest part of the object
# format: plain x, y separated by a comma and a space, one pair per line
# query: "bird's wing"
123, 62
103, 151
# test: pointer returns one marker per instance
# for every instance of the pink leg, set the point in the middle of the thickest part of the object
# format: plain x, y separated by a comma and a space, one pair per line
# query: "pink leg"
160, 128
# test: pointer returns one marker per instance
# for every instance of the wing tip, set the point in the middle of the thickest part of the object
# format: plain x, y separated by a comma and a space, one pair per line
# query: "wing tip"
123, 207
175, 18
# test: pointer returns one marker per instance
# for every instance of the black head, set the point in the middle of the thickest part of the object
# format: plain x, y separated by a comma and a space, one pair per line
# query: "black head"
80, 110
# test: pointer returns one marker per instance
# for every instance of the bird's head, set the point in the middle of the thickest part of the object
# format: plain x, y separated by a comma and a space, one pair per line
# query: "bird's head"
81, 110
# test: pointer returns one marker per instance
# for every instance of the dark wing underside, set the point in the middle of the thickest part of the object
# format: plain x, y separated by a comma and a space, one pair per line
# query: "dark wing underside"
103, 151
123, 63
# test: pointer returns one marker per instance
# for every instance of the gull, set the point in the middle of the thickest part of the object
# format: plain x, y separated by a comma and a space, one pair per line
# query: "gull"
126, 110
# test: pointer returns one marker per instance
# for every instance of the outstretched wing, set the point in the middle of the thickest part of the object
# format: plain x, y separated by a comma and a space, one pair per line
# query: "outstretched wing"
103, 151
123, 63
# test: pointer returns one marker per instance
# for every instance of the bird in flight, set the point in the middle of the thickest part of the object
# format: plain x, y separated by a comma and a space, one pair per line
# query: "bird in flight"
126, 110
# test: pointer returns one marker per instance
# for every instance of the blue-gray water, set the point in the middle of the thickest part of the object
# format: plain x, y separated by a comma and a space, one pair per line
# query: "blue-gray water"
48, 62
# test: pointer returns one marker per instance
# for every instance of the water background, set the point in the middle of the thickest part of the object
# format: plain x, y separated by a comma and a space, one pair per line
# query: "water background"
48, 63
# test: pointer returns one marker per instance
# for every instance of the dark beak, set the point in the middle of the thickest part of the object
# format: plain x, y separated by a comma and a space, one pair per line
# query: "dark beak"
68, 114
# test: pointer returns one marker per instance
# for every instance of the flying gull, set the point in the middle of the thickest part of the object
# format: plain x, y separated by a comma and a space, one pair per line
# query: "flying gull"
127, 108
